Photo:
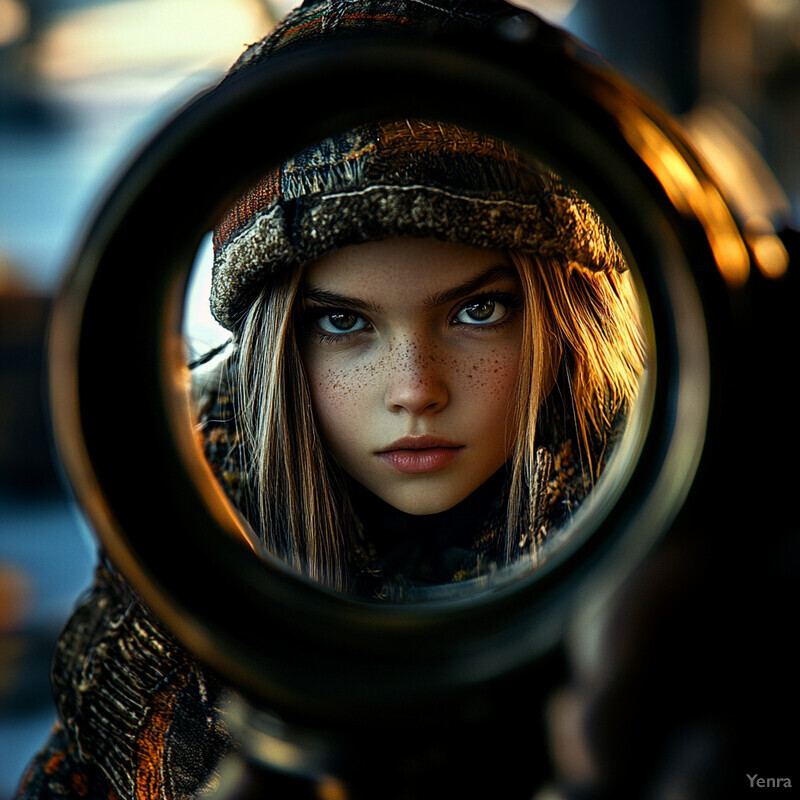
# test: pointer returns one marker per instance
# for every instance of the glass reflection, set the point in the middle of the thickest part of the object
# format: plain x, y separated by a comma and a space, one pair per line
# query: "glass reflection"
430, 349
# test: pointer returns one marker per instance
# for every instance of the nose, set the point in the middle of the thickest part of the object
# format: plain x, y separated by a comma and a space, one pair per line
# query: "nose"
416, 380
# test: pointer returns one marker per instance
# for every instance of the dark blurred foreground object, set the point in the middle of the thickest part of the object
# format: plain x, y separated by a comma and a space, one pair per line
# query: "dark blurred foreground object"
685, 686
26, 463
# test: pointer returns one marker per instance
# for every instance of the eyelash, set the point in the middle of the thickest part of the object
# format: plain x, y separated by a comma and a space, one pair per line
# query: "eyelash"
313, 315
510, 300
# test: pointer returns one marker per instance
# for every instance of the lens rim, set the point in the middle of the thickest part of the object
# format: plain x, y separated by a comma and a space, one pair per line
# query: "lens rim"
154, 511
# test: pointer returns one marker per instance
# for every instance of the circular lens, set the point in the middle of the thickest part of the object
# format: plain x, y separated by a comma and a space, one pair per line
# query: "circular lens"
387, 660
408, 418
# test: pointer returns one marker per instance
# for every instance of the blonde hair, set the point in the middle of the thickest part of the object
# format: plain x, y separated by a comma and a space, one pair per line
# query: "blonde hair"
579, 326
582, 338
291, 481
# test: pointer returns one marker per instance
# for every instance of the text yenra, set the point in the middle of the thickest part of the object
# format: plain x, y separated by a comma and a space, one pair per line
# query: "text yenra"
765, 783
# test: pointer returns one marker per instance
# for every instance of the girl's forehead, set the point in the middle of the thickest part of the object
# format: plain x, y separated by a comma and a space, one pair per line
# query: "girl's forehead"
419, 266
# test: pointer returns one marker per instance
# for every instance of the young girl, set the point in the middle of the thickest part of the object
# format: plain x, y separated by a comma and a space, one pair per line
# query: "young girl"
435, 345
438, 346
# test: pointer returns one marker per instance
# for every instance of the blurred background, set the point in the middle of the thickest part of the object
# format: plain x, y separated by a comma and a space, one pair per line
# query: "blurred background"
83, 82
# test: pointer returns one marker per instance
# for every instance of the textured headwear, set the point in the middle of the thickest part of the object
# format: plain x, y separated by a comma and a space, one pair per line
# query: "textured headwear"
400, 178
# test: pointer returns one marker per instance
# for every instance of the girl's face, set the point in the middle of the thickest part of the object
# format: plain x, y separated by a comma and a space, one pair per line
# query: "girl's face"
411, 349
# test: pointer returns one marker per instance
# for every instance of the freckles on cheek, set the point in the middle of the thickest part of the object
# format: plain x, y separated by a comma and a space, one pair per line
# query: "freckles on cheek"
492, 376
332, 386
332, 395
330, 399
338, 395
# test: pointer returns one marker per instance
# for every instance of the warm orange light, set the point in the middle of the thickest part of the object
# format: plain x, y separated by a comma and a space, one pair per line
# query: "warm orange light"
689, 190
725, 139
331, 789
691, 193
769, 254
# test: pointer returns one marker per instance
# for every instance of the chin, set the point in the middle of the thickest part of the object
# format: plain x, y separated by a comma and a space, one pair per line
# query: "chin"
424, 503
418, 510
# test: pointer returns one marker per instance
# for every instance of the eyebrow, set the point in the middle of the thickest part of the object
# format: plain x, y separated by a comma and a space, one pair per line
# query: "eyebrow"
488, 276
329, 299
332, 300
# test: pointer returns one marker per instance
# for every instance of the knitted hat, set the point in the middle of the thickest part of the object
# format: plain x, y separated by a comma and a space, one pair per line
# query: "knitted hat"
400, 178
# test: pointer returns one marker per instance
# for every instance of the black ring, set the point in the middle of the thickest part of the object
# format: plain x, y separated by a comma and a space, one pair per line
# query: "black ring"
111, 389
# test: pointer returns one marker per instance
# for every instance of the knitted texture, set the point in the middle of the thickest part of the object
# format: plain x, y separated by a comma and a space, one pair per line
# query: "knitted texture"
134, 703
394, 178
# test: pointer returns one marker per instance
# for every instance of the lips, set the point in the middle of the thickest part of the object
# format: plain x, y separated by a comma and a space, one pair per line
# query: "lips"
418, 454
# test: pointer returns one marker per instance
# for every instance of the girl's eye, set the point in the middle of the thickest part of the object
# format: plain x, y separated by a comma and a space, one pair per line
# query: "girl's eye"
341, 322
481, 312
